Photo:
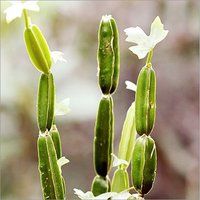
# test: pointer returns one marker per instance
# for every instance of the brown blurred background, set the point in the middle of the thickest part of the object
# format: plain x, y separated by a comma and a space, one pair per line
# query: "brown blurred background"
71, 27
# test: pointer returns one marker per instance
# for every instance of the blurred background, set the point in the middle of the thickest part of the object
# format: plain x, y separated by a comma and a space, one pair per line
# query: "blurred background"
71, 27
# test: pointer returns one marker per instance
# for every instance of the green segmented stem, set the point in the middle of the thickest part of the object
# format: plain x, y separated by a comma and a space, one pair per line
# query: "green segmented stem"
108, 72
152, 101
56, 140
43, 102
150, 166
105, 55
43, 44
111, 132
51, 101
144, 164
45, 105
37, 49
64, 185
56, 174
115, 79
120, 181
145, 103
100, 185
45, 173
128, 136
50, 175
108, 55
103, 134
52, 182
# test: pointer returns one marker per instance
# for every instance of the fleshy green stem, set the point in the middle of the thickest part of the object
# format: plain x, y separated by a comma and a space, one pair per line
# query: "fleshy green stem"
149, 58
26, 18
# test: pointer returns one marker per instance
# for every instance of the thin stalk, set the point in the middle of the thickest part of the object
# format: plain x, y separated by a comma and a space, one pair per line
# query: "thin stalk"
149, 58
26, 18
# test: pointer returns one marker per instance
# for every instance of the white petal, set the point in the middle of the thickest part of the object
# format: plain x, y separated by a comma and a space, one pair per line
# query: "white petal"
31, 5
131, 86
121, 195
140, 51
62, 161
157, 33
14, 11
105, 196
117, 161
62, 107
57, 56
136, 35
82, 195
145, 43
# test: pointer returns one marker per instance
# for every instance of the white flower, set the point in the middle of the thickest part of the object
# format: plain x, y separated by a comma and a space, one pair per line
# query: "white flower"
130, 86
57, 56
145, 43
90, 196
62, 108
82, 195
62, 161
117, 161
121, 196
17, 7
105, 196
113, 195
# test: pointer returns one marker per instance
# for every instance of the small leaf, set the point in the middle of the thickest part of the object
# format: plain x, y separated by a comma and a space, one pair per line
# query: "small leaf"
57, 56
62, 108
130, 86
117, 161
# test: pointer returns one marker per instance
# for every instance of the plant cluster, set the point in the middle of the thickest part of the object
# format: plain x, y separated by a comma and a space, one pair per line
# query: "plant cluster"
140, 117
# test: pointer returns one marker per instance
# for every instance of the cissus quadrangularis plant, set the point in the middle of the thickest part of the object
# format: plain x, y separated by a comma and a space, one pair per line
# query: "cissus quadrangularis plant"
49, 147
144, 158
108, 73
140, 118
